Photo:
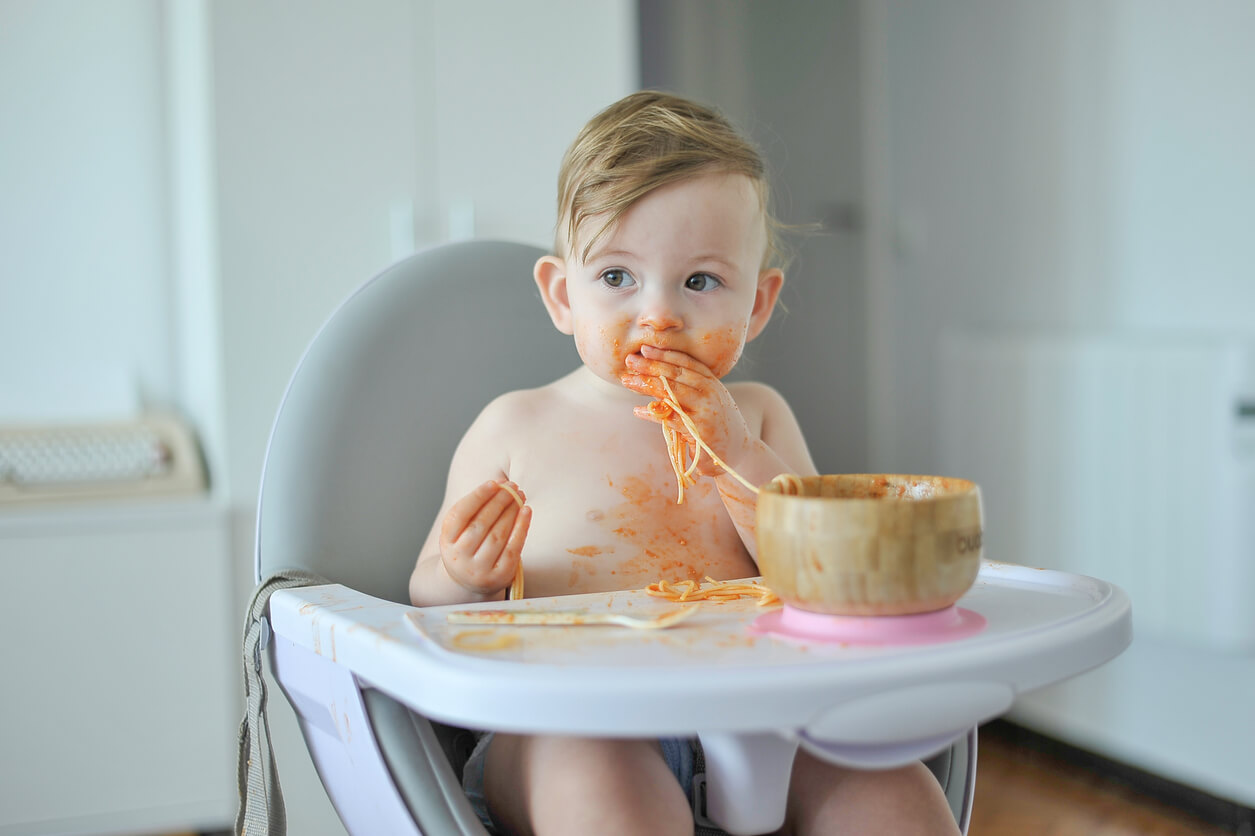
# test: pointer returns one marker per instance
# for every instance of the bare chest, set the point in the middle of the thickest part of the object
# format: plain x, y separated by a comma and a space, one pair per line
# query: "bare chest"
605, 516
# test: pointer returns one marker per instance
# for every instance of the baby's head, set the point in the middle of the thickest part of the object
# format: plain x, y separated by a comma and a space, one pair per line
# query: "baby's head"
638, 144
664, 238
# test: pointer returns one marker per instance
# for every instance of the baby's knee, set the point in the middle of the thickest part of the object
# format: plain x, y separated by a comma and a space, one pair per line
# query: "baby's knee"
911, 776
588, 759
825, 798
586, 785
902, 788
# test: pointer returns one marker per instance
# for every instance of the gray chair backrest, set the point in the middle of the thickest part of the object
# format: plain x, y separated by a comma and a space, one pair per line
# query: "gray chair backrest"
359, 452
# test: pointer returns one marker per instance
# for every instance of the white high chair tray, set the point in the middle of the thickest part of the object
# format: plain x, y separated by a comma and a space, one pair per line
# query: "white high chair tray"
709, 672
751, 698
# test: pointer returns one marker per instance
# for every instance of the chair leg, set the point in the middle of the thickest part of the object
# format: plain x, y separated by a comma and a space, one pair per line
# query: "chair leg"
961, 802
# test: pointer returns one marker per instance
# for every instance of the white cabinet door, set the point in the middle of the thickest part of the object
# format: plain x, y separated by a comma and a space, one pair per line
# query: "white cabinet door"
117, 644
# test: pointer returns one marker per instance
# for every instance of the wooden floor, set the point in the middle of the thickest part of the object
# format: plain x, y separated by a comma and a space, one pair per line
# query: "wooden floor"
1022, 790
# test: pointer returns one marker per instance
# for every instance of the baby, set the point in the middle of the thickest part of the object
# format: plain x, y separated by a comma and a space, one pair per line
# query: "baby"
664, 268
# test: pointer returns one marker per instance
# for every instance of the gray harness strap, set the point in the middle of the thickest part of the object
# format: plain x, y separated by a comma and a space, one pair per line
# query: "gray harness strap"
261, 811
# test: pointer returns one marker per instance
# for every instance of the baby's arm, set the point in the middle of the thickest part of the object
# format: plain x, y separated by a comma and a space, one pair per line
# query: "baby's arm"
475, 544
778, 447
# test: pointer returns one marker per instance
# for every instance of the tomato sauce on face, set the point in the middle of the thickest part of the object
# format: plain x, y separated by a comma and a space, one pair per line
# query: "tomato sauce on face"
722, 349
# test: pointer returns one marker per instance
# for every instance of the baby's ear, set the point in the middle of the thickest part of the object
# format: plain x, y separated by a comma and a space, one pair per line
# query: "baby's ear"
769, 284
550, 274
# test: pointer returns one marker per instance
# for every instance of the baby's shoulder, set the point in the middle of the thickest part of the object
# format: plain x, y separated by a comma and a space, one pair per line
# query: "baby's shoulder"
510, 408
519, 412
753, 395
761, 405
507, 423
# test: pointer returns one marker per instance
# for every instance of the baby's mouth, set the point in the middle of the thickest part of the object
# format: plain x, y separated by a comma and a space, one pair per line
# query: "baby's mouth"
635, 351
633, 359
638, 351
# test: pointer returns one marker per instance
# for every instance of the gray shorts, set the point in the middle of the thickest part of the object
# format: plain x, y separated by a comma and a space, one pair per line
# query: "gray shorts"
677, 751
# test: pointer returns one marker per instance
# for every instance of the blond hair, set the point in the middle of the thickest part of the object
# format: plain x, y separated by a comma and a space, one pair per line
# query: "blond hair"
639, 143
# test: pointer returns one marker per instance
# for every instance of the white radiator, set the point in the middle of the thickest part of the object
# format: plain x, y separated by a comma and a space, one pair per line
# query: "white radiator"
1131, 459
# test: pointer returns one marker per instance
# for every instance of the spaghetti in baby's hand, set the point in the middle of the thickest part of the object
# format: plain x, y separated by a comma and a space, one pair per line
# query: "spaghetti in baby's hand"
515, 592
678, 444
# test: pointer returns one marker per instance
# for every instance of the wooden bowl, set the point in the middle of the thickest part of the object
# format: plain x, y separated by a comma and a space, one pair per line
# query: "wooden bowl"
869, 544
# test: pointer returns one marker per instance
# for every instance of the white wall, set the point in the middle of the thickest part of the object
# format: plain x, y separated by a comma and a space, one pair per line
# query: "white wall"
1060, 165
316, 133
84, 322
1183, 174
334, 127
1063, 167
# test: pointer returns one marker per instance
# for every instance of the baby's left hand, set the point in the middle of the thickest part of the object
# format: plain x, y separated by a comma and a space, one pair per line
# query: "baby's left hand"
701, 395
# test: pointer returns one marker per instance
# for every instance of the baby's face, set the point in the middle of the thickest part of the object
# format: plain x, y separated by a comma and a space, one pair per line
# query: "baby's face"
680, 270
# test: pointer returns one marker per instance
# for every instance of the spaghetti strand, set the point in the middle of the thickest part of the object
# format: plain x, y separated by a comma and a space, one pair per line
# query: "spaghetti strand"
680, 472
515, 592
677, 450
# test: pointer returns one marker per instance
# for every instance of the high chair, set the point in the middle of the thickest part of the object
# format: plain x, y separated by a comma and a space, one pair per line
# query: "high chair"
354, 475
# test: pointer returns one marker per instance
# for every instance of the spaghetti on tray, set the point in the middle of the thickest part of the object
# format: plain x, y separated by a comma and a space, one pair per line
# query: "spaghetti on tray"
690, 591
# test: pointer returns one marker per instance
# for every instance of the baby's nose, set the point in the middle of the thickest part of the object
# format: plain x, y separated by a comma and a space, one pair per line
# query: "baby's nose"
659, 311
660, 318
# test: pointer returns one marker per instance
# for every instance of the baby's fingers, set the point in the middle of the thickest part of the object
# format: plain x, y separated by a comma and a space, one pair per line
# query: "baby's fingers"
472, 517
496, 560
474, 558
489, 551
512, 553
466, 509
681, 360
656, 411
486, 500
644, 384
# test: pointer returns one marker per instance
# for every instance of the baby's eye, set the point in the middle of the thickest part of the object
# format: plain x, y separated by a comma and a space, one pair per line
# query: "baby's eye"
617, 278
701, 282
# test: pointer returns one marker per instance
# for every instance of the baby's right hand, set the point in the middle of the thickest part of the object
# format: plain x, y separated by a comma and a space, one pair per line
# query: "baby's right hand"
481, 538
